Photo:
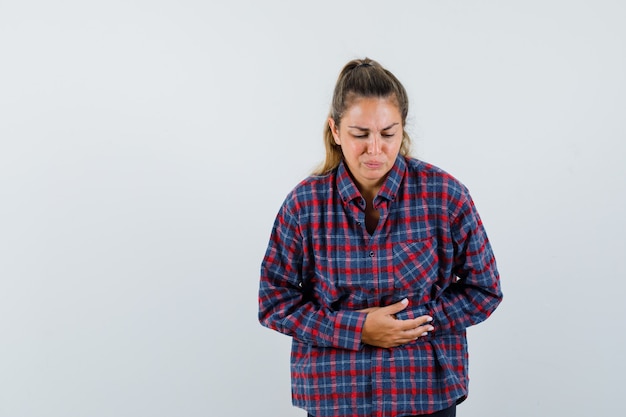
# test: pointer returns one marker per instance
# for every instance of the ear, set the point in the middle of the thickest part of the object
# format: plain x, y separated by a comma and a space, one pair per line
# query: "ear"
334, 129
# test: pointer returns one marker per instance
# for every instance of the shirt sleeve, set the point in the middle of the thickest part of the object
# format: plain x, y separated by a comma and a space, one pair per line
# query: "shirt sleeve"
284, 305
473, 291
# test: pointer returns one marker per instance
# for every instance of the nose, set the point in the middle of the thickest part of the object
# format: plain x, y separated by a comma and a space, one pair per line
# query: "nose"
373, 145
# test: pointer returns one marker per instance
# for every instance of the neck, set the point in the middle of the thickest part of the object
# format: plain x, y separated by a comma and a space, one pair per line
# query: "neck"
369, 192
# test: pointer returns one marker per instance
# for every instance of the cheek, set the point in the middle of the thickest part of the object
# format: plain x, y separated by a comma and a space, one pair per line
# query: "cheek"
392, 147
358, 148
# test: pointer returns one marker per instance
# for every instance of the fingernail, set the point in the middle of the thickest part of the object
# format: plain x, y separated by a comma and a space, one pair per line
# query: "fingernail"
431, 328
425, 334
429, 319
405, 301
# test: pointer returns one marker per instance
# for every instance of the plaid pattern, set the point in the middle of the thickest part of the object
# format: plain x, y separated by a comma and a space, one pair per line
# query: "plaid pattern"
321, 266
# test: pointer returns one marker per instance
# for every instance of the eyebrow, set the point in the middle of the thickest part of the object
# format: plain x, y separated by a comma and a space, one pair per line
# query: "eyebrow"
364, 129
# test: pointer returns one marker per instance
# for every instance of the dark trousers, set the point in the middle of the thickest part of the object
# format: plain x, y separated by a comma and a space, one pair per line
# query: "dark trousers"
448, 412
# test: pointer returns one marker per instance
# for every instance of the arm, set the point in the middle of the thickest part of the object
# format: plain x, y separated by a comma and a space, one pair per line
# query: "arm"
476, 292
472, 291
285, 301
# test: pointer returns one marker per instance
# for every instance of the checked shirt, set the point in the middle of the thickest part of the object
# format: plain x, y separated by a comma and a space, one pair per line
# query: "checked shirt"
322, 266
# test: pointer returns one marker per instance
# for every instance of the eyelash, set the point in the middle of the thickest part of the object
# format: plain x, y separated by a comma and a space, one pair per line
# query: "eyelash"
365, 136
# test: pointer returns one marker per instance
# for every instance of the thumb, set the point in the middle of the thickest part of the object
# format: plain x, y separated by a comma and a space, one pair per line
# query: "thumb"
396, 307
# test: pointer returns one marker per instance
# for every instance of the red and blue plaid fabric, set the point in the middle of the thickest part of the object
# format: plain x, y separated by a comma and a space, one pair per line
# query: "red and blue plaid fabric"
321, 266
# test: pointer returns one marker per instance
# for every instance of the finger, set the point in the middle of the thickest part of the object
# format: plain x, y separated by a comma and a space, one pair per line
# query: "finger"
421, 320
416, 322
395, 308
416, 332
411, 324
410, 336
421, 331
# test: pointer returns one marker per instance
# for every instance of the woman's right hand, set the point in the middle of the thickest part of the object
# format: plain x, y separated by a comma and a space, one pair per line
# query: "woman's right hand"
382, 329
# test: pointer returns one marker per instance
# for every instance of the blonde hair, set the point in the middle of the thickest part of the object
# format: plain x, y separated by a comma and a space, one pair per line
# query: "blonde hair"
362, 78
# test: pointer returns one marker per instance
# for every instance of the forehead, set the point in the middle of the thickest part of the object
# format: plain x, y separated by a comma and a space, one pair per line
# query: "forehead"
372, 112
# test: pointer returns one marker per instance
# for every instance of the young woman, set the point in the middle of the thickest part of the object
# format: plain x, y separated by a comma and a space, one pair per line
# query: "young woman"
376, 265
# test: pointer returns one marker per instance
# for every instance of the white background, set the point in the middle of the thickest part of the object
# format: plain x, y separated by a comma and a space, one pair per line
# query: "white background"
145, 147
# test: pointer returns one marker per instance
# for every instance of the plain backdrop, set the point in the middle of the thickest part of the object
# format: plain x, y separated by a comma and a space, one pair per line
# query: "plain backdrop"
146, 146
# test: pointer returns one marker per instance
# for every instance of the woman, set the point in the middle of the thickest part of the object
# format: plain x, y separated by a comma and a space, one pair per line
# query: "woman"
376, 265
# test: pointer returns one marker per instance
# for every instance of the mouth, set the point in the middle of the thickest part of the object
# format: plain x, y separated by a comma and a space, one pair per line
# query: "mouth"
373, 164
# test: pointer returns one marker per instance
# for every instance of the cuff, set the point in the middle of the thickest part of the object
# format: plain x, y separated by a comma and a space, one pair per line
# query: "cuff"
348, 327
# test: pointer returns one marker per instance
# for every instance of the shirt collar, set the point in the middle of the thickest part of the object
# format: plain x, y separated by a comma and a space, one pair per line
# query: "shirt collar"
390, 187
348, 190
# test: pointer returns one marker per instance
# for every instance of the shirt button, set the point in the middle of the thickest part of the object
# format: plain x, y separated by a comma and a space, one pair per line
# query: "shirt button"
371, 254
358, 223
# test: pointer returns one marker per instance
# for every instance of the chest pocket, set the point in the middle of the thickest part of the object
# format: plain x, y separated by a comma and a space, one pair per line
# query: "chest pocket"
415, 267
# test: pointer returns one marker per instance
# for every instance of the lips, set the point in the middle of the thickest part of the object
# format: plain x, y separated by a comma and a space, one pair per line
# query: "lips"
373, 164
